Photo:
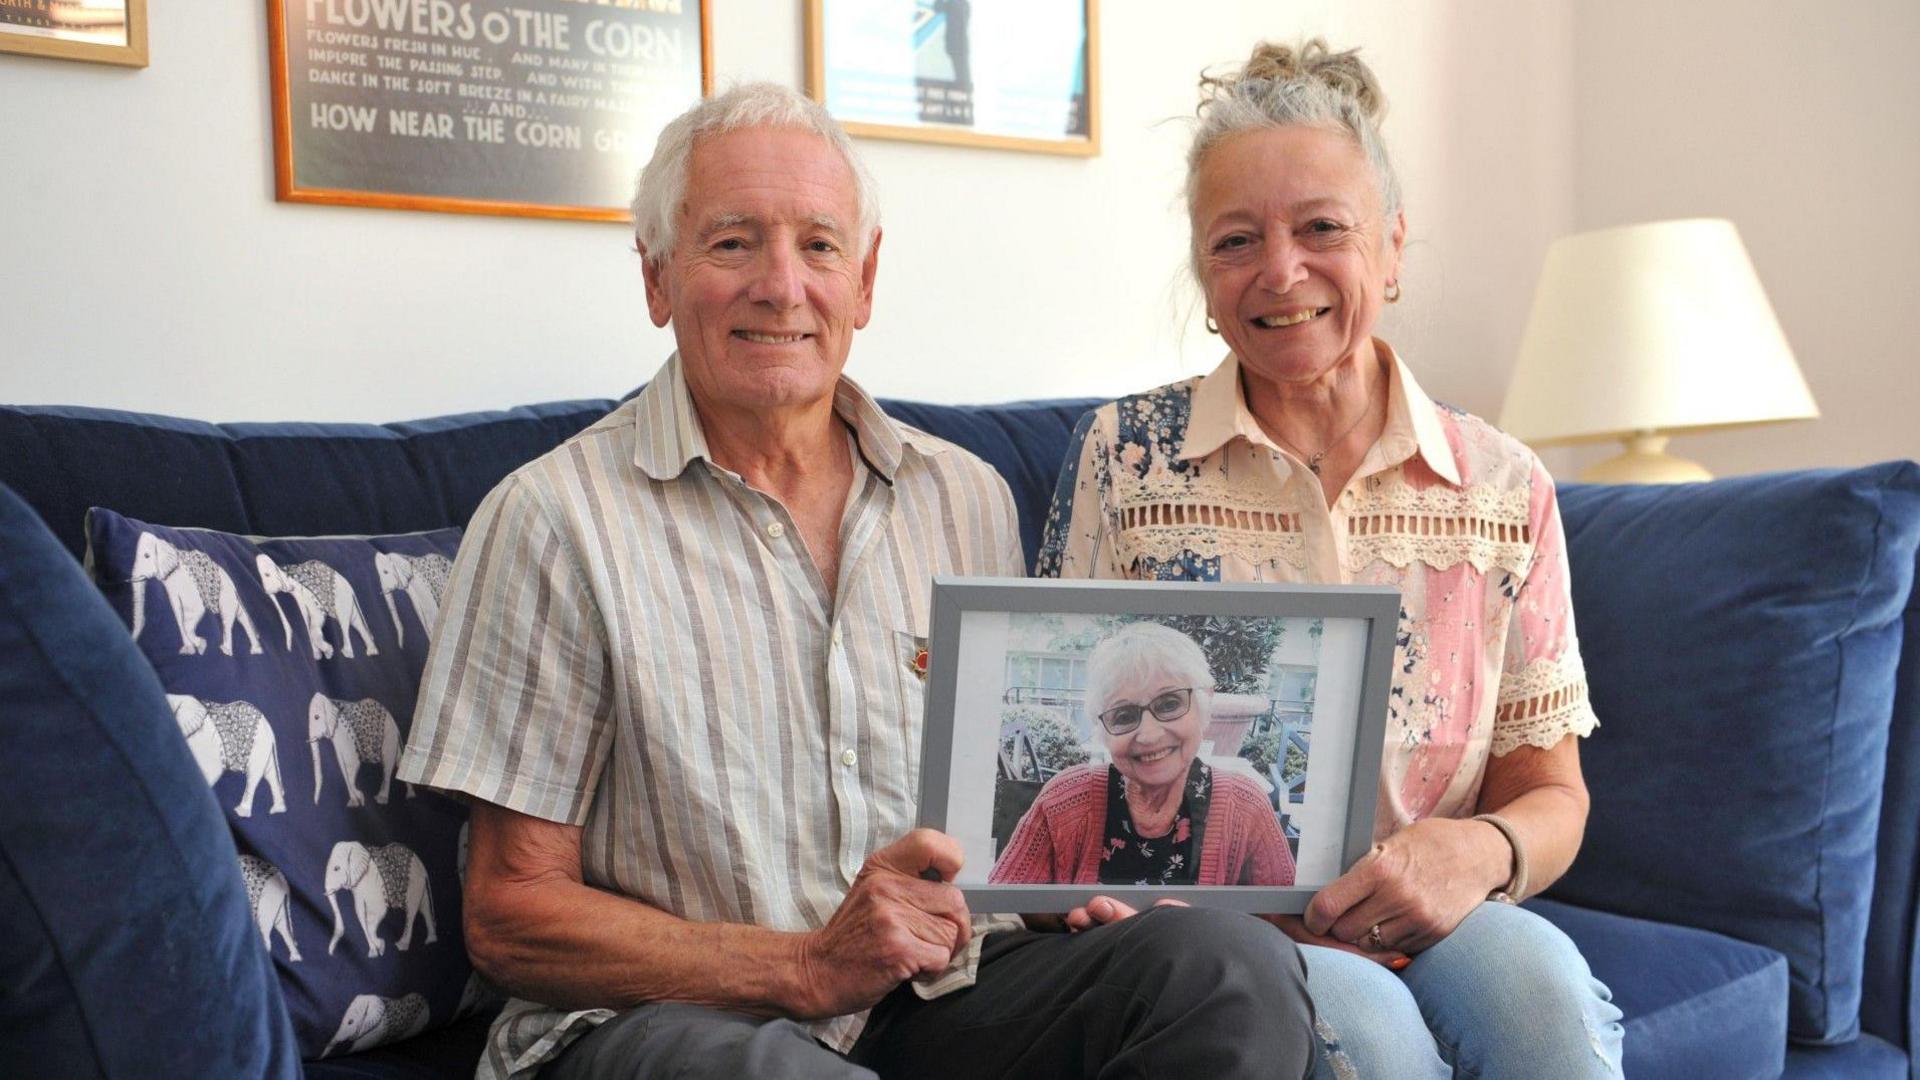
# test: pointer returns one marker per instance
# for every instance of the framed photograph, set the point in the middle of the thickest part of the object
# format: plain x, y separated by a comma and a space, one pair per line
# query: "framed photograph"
1143, 740
105, 31
531, 108
1010, 74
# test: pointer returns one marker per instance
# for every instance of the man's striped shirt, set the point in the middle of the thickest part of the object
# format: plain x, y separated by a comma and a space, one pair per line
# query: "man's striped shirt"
635, 641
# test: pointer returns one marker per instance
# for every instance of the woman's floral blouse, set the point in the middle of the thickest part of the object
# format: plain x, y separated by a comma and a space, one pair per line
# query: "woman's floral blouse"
1127, 858
1181, 484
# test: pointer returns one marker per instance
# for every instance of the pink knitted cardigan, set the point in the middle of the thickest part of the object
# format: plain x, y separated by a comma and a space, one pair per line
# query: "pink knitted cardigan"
1058, 840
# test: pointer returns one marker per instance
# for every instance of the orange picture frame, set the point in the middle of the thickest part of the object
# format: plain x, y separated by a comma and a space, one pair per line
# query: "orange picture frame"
456, 117
932, 31
65, 30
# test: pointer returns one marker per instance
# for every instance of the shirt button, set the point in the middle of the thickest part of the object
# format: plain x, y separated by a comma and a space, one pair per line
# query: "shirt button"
848, 757
836, 637
776, 530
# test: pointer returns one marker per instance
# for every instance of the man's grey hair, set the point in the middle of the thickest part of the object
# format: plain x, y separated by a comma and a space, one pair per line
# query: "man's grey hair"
1142, 652
662, 186
1304, 86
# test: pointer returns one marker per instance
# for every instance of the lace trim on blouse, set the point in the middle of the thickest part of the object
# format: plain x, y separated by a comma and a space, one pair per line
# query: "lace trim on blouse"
1542, 703
1168, 531
1165, 515
1441, 527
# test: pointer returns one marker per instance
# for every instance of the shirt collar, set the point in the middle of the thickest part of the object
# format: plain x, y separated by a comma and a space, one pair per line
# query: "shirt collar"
1415, 419
670, 436
1220, 415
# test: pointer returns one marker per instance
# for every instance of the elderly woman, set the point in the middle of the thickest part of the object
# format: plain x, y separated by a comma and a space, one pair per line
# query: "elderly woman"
1157, 815
1312, 455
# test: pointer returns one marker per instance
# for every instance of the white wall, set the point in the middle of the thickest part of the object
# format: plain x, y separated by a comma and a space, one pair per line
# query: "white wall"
145, 264
1794, 118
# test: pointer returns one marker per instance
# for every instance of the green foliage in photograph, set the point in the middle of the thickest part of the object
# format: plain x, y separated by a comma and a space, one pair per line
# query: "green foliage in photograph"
1080, 641
1296, 766
1055, 746
1262, 747
1238, 649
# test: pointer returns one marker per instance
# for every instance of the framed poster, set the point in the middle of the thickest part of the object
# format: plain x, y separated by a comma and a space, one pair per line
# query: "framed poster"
1218, 744
534, 108
1011, 74
107, 31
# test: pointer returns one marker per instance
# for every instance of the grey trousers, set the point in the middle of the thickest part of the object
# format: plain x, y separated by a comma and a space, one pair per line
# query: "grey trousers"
1170, 992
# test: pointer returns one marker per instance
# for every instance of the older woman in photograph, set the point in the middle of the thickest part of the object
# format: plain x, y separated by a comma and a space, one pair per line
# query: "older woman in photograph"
1310, 454
1157, 814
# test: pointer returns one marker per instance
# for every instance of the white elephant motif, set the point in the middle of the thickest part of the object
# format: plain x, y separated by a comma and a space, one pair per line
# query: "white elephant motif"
423, 578
267, 898
372, 1020
232, 736
361, 731
321, 593
195, 585
381, 879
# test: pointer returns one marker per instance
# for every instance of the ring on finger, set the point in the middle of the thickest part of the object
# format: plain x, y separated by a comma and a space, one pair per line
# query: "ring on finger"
1373, 939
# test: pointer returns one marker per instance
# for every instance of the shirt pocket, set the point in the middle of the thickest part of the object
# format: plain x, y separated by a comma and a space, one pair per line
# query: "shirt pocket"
910, 651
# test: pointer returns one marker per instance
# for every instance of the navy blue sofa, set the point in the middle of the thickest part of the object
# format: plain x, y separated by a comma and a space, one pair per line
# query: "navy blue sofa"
1747, 887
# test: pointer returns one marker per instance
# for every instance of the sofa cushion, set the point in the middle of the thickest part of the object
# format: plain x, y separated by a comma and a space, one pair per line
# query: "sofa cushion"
1741, 639
271, 479
1890, 997
125, 939
1865, 1058
1695, 1004
291, 667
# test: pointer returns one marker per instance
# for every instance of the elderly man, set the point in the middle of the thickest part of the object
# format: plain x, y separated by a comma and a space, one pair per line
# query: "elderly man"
675, 679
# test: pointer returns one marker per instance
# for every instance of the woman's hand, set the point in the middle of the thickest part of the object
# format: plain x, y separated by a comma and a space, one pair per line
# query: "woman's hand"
1416, 886
1295, 928
1105, 909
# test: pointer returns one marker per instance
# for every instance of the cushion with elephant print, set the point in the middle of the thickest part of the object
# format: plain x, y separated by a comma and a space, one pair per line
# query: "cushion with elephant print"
291, 666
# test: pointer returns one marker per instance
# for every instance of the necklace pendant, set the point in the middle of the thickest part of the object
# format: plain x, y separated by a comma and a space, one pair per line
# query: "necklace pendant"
1313, 464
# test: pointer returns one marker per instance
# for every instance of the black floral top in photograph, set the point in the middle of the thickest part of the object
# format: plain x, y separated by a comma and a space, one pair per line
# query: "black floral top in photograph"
1171, 859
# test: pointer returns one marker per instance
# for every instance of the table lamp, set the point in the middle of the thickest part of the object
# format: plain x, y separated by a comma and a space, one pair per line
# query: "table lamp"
1642, 332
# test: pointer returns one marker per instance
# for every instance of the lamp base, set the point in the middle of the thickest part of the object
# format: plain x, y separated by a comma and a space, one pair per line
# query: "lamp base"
1645, 461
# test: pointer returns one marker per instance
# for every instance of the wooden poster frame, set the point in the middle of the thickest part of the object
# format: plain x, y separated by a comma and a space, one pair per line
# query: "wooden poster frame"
1073, 147
285, 189
132, 54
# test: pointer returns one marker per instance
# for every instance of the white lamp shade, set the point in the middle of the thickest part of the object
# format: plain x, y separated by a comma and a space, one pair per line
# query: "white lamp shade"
1651, 328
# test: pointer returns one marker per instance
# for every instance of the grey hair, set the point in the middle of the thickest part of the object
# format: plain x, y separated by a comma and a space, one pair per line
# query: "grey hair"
1145, 647
1282, 87
661, 188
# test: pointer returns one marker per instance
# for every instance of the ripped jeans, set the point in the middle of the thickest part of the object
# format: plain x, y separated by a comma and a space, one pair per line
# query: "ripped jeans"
1506, 995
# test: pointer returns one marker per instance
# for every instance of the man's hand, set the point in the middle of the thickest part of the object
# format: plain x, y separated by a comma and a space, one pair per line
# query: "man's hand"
894, 924
1416, 886
1105, 909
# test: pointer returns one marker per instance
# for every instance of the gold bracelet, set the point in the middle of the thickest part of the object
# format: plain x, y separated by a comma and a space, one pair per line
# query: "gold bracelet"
1516, 887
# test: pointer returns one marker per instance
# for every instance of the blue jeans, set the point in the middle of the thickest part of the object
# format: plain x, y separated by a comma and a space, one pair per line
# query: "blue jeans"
1505, 995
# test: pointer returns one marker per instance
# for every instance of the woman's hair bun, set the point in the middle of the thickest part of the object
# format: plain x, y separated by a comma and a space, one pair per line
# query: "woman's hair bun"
1343, 72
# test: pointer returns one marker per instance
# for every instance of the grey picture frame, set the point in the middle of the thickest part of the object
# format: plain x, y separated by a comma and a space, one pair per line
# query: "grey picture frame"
954, 597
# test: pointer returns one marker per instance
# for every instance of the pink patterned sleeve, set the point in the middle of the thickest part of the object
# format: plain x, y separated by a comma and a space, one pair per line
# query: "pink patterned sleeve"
1543, 684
